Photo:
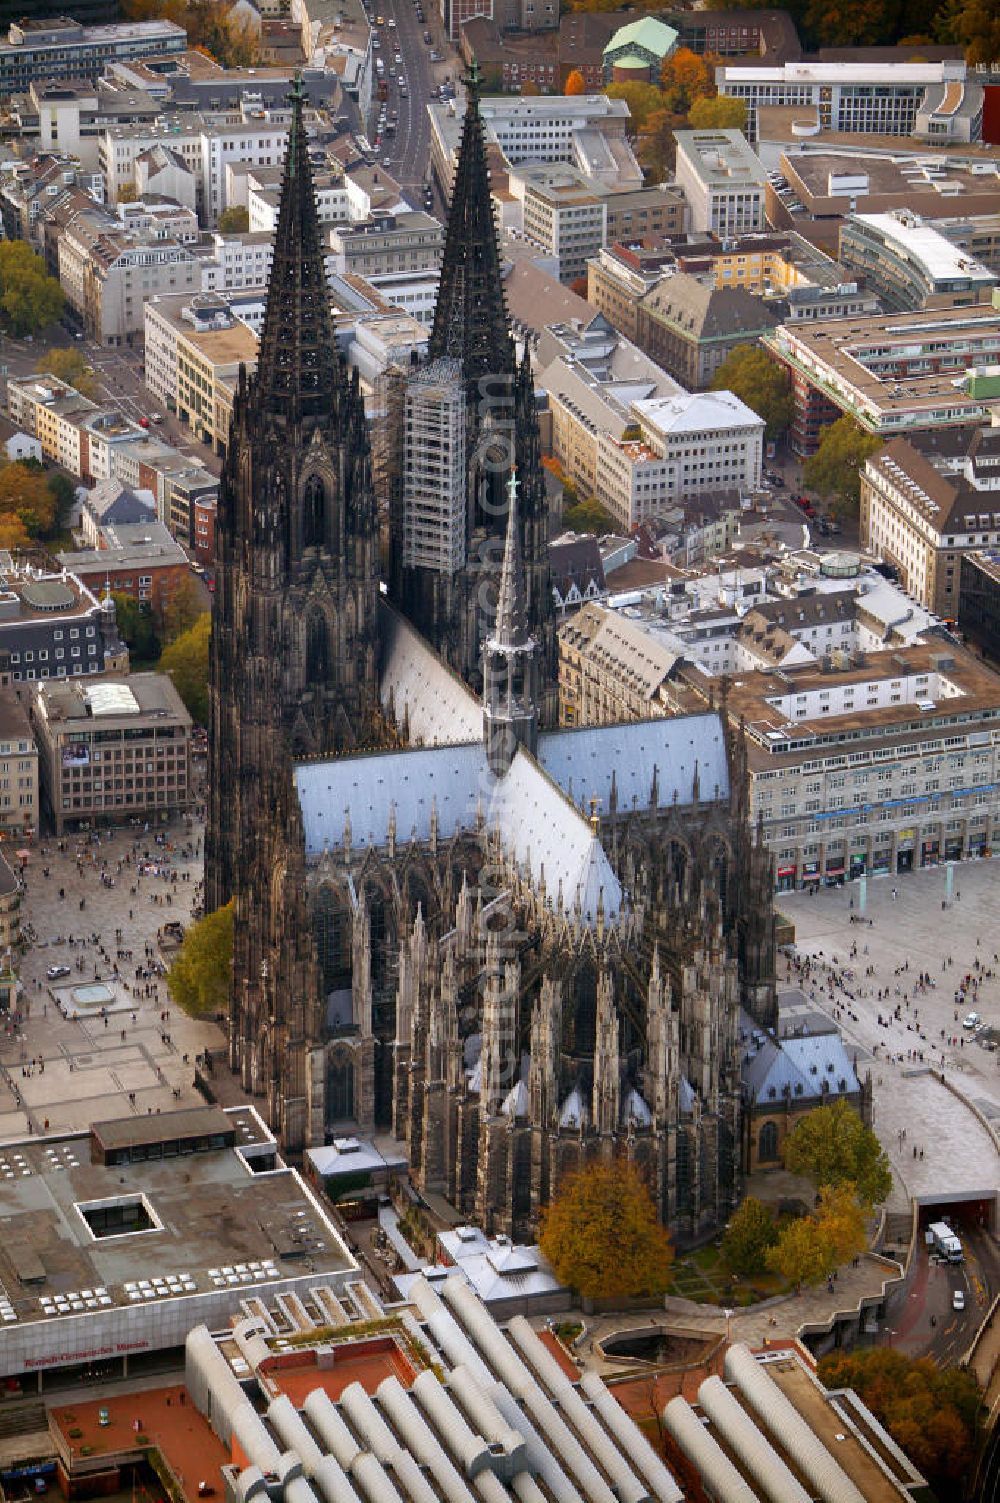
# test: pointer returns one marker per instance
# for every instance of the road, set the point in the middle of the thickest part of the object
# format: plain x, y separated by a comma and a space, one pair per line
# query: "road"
924, 1322
408, 151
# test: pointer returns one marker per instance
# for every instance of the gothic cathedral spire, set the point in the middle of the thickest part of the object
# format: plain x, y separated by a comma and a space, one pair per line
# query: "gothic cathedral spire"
470, 319
299, 373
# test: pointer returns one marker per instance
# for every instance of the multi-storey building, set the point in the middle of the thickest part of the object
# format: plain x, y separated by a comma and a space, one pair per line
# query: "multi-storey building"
18, 787
586, 131
139, 559
979, 601
910, 264
723, 181
53, 626
192, 347
31, 191
642, 456
899, 374
561, 214
883, 766
926, 502
690, 327
870, 98
112, 750
53, 412
62, 48
205, 145
229, 263
108, 277
387, 244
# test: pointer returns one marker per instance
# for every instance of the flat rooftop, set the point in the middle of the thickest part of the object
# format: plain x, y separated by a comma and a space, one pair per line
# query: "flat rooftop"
888, 360
926, 247
208, 1232
73, 704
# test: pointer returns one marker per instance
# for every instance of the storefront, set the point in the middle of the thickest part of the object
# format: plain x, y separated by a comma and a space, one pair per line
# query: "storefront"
786, 878
904, 850
930, 853
859, 863
810, 872
978, 843
880, 863
835, 871
953, 848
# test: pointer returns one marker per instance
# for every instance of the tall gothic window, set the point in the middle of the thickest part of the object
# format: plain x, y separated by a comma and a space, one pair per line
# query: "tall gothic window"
314, 508
317, 648
332, 932
339, 1089
767, 1146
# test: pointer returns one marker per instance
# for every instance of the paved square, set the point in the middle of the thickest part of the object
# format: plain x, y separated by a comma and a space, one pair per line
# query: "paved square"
67, 1066
905, 931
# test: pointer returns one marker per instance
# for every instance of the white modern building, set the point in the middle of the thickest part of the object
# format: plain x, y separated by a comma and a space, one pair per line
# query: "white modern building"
204, 146
866, 98
59, 47
723, 182
561, 214
910, 264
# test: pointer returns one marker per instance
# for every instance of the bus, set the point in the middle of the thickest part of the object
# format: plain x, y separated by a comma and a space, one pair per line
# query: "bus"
945, 1243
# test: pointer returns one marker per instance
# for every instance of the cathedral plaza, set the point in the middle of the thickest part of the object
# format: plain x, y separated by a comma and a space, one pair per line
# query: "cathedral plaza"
89, 1069
951, 1123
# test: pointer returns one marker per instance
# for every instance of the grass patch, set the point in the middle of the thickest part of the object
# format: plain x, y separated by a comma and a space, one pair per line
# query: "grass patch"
705, 1277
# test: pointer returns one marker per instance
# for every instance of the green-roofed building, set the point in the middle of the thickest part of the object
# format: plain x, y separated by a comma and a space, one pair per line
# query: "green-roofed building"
640, 47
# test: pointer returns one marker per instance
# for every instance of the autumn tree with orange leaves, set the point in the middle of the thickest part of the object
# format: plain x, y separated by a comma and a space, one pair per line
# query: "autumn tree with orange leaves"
575, 83
602, 1237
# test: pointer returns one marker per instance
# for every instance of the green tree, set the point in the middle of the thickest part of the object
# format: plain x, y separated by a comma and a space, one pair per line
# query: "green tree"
601, 1235
68, 364
30, 299
186, 660
929, 1411
63, 493
588, 516
200, 977
832, 1146
750, 374
720, 113
749, 1236
835, 469
235, 220
138, 629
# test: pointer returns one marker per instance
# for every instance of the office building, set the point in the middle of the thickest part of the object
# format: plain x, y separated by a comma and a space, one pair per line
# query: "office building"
204, 145
561, 214
901, 374
910, 264
722, 180
869, 98
387, 244
925, 502
588, 131
112, 750
690, 327
60, 48
192, 347
107, 277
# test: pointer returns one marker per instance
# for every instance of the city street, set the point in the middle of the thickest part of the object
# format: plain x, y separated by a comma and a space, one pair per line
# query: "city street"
408, 150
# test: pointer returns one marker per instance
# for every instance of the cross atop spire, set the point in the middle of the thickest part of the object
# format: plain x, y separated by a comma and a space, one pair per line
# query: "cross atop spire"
470, 319
511, 629
298, 368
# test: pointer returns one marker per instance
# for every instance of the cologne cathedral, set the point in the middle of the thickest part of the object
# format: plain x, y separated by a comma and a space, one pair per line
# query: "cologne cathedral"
516, 948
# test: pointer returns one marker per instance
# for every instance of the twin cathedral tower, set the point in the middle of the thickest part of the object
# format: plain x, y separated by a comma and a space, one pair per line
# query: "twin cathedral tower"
516, 948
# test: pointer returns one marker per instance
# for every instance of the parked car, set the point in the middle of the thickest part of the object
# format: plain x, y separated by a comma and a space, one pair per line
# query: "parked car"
971, 1019
54, 972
